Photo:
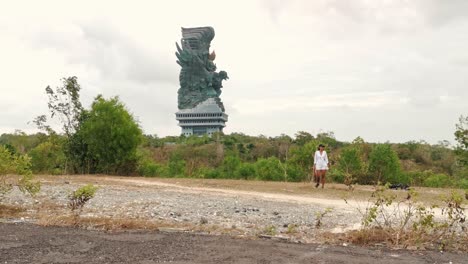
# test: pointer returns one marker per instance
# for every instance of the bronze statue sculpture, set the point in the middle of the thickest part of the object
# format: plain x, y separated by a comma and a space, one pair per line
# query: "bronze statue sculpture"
198, 77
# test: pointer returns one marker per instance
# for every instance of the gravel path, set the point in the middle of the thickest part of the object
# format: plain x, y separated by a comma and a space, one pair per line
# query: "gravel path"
249, 213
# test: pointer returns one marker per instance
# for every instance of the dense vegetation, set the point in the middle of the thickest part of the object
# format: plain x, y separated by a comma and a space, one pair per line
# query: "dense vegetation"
107, 139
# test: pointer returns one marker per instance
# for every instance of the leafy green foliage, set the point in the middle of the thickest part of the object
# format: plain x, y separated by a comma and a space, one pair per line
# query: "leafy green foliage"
65, 103
48, 157
303, 137
350, 164
14, 164
112, 136
20, 142
437, 181
81, 196
384, 165
269, 169
246, 171
230, 166
461, 136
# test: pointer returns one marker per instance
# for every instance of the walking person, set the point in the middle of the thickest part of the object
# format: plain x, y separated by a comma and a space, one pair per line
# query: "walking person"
321, 165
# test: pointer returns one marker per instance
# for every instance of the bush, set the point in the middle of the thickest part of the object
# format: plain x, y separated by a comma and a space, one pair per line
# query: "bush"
81, 196
213, 174
384, 165
462, 184
269, 170
295, 173
336, 176
230, 165
437, 181
176, 168
149, 169
47, 157
112, 136
246, 171
19, 165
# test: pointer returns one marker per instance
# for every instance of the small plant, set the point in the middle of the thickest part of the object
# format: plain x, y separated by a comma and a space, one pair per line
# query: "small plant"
270, 230
81, 196
15, 164
408, 222
292, 228
320, 215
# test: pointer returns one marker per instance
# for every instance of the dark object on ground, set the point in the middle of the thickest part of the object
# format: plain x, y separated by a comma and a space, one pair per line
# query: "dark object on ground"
26, 243
400, 186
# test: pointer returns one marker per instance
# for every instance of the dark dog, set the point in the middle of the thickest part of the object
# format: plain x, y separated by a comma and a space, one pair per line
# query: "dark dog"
400, 186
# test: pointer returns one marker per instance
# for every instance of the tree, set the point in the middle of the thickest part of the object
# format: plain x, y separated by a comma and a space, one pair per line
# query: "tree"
461, 136
350, 163
302, 157
384, 164
112, 136
302, 138
48, 157
18, 165
64, 104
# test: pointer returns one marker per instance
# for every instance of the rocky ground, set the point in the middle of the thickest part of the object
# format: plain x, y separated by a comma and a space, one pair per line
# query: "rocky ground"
238, 212
279, 223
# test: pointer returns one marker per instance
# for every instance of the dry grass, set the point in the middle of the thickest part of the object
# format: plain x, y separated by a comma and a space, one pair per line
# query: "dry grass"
102, 223
11, 211
411, 239
116, 224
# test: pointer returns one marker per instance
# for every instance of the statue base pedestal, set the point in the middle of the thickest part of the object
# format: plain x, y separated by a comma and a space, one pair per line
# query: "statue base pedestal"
204, 119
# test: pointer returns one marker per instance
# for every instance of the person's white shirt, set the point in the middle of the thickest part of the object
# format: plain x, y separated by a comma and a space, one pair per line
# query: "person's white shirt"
321, 160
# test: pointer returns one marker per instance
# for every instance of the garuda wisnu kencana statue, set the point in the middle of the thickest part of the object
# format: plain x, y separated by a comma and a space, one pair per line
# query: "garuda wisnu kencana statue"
198, 78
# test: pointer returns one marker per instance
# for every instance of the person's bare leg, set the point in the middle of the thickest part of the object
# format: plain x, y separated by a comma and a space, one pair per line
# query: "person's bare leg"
319, 176
323, 178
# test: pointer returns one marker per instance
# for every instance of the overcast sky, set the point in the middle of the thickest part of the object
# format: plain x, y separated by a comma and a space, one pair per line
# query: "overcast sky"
382, 70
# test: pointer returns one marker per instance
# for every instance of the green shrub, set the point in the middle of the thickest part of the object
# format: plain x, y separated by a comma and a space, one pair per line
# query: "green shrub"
416, 178
149, 169
384, 165
336, 176
295, 173
403, 178
213, 174
47, 157
269, 170
437, 181
246, 171
19, 165
230, 165
462, 184
176, 168
81, 196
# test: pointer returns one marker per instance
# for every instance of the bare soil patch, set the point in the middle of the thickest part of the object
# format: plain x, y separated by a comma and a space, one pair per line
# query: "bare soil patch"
25, 243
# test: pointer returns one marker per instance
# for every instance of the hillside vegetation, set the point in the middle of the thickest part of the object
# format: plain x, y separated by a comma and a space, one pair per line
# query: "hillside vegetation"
107, 139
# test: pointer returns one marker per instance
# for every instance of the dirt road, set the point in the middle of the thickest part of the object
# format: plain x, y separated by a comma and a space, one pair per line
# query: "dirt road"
26, 243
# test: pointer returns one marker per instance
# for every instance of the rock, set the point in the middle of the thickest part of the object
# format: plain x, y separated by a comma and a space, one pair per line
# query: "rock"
412, 248
276, 213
